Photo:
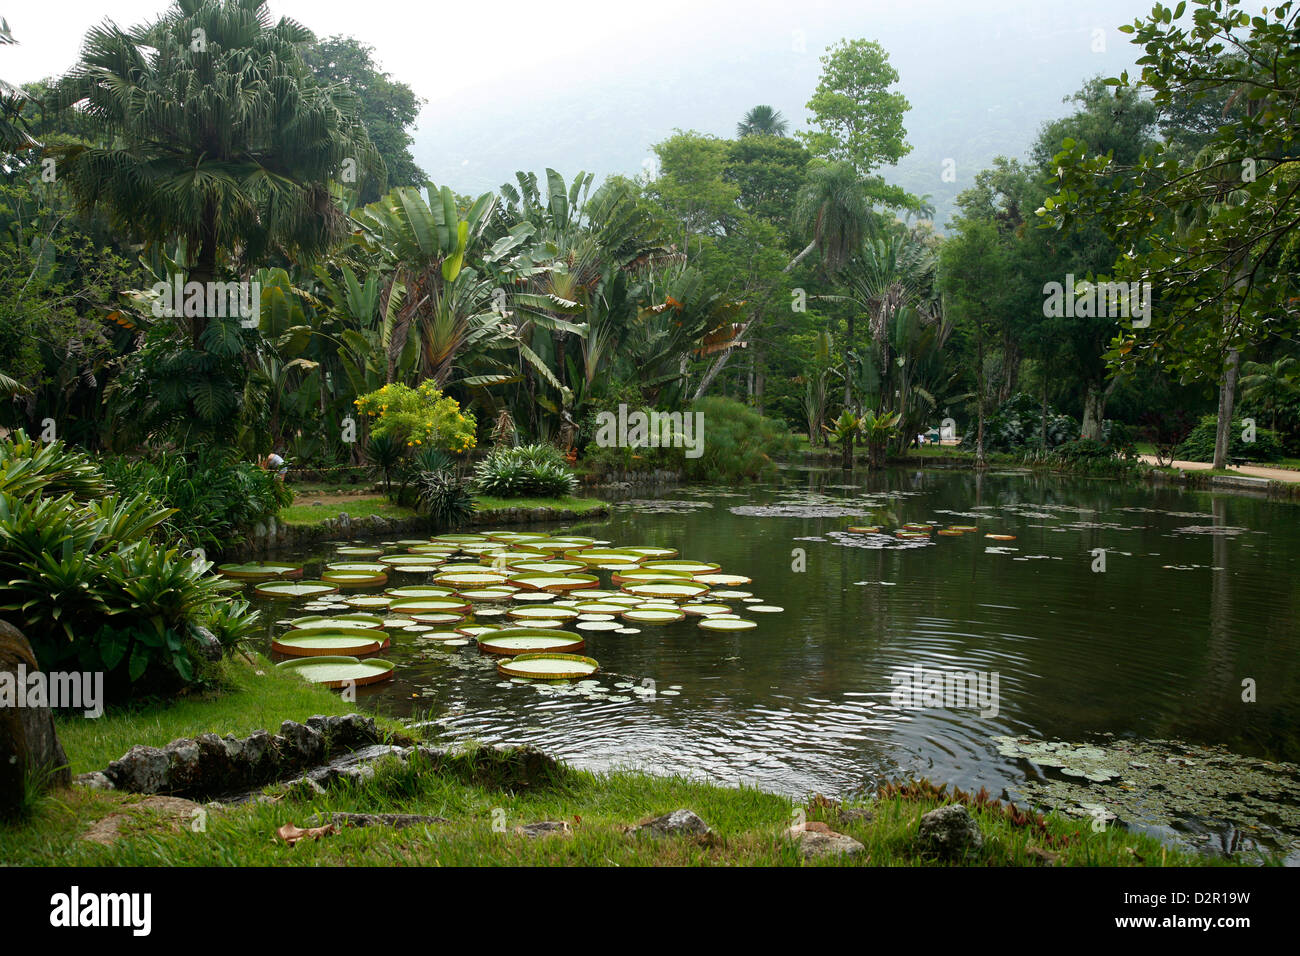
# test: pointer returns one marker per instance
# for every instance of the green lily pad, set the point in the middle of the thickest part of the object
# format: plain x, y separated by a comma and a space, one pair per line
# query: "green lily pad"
524, 640
550, 666
339, 671
293, 590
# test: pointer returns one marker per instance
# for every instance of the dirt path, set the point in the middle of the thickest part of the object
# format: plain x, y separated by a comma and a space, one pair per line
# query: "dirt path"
1250, 471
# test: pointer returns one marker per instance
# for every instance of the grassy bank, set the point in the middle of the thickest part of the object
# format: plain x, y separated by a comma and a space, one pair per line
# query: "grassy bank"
362, 506
479, 816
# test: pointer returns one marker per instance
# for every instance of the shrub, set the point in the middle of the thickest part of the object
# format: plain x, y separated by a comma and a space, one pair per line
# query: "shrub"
1018, 424
1199, 445
738, 442
447, 501
88, 582
214, 496
419, 417
529, 471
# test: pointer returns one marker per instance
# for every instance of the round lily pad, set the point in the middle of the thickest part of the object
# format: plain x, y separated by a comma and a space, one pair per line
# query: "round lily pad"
264, 571
525, 640
293, 590
337, 622
339, 671
499, 592
533, 566
431, 605
354, 579
718, 580
598, 625
652, 615
419, 591
459, 539
316, 643
554, 582
374, 601
686, 567
765, 608
962, 527
549, 612
717, 623
356, 551
651, 552
705, 610
863, 529
469, 579
549, 666
1001, 537
667, 589
438, 617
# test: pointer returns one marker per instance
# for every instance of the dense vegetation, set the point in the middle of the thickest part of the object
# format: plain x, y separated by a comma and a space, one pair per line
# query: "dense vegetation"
772, 284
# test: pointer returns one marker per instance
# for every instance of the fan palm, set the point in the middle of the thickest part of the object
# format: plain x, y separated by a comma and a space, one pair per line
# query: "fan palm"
762, 121
221, 137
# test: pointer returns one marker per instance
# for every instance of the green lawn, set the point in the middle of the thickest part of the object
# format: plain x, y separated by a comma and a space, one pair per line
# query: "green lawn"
480, 811
360, 506
488, 503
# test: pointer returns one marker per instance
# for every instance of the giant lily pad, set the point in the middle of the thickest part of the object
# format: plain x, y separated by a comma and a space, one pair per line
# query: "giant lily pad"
430, 605
293, 590
652, 615
684, 567
320, 643
264, 571
525, 640
337, 622
339, 671
548, 612
551, 666
671, 590
554, 582
719, 623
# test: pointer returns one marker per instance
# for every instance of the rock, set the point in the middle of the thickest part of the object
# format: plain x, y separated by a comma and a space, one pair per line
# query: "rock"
950, 832
544, 828
209, 647
29, 745
95, 780
677, 823
182, 764
167, 813
346, 732
140, 770
303, 789
817, 840
302, 747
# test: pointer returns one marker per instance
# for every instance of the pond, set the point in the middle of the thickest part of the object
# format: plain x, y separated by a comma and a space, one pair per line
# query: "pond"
1120, 614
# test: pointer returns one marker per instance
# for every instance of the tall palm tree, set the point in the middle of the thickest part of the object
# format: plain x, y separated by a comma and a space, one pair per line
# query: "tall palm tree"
832, 208
221, 137
13, 129
762, 121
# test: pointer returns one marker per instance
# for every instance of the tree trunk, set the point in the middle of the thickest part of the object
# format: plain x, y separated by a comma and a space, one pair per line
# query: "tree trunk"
1043, 434
847, 448
205, 266
760, 382
1091, 414
848, 368
1227, 403
980, 461
800, 257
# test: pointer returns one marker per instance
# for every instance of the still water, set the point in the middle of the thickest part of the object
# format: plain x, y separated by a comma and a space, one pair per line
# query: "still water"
1119, 608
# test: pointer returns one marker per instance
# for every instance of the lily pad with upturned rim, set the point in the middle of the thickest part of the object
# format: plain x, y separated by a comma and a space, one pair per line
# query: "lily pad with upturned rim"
294, 590
339, 671
549, 666
510, 641
319, 643
263, 571
716, 623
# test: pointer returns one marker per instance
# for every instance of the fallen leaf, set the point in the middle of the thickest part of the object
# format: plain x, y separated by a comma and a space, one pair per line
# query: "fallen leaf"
291, 834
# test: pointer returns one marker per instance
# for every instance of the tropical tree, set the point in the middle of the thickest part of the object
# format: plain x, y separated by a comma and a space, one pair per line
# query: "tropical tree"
221, 138
762, 120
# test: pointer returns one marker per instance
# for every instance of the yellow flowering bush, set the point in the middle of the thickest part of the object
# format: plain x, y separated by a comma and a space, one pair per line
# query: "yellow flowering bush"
419, 417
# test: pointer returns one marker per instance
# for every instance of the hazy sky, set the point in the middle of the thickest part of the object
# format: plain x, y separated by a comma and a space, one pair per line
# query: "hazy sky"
590, 84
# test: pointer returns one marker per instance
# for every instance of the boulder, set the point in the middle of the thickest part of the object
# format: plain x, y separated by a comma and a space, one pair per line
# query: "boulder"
141, 770
29, 745
678, 823
817, 840
299, 745
950, 832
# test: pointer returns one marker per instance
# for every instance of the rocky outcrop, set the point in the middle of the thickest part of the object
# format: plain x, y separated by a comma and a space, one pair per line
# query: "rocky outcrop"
817, 840
30, 752
209, 765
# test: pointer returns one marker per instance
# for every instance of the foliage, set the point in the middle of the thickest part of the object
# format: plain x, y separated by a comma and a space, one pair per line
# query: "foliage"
88, 582
529, 471
1018, 424
739, 443
1199, 445
419, 417
215, 497
444, 497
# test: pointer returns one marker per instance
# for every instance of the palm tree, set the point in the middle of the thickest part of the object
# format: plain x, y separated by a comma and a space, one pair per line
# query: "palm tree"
221, 137
13, 129
834, 210
762, 121
1271, 387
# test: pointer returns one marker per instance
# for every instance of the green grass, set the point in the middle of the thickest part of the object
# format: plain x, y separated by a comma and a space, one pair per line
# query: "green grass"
356, 507
242, 699
488, 503
481, 815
